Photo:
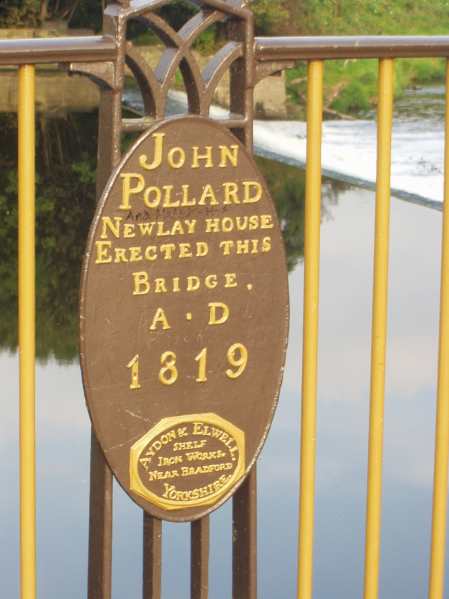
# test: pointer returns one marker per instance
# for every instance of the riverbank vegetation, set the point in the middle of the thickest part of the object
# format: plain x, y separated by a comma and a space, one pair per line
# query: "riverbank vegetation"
350, 86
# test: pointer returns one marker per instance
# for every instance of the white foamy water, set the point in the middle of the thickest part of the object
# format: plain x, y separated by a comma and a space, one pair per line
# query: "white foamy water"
349, 147
349, 152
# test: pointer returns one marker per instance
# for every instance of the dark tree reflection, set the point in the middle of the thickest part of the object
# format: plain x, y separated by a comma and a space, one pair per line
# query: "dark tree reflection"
287, 187
65, 203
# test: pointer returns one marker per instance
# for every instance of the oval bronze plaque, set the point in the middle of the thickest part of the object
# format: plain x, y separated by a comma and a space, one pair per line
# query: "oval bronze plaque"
184, 318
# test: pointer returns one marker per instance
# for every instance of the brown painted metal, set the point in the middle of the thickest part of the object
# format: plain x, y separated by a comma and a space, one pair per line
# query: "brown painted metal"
266, 69
57, 50
244, 535
244, 540
152, 557
100, 522
100, 525
101, 73
199, 571
200, 84
161, 246
269, 49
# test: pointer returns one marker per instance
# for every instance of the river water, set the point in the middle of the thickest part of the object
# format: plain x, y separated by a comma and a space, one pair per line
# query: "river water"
66, 159
349, 146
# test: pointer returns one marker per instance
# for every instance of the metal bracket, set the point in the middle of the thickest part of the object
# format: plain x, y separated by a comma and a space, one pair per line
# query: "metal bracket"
101, 73
267, 69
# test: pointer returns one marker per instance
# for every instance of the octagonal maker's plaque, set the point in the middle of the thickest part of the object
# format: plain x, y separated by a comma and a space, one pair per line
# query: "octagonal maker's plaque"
184, 318
183, 449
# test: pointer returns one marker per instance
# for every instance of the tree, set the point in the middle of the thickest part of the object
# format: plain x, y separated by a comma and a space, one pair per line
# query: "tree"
15, 13
270, 15
31, 13
59, 9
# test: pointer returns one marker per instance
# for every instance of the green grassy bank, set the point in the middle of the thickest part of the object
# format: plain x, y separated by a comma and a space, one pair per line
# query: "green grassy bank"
351, 86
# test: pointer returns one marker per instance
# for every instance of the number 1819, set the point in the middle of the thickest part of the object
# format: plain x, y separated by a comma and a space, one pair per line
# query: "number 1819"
237, 356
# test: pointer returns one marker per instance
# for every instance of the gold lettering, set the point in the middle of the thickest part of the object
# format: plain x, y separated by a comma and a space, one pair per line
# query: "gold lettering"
129, 231
160, 319
206, 156
185, 197
226, 246
229, 154
214, 318
266, 244
238, 358
212, 225
252, 192
113, 225
146, 229
120, 255
135, 254
159, 286
167, 250
243, 246
134, 366
202, 249
211, 281
157, 160
167, 198
176, 157
242, 223
227, 224
150, 253
103, 255
231, 190
177, 228
185, 250
266, 221
230, 280
168, 374
197, 428
160, 229
193, 283
128, 191
191, 224
157, 197
172, 461
208, 194
141, 284
158, 475
253, 222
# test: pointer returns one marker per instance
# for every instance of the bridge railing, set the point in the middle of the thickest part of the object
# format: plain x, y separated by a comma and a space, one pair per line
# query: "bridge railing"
316, 50
270, 54
26, 54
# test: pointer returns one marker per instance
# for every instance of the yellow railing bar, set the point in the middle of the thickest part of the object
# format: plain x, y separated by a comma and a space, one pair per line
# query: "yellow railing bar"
26, 115
379, 328
310, 327
436, 582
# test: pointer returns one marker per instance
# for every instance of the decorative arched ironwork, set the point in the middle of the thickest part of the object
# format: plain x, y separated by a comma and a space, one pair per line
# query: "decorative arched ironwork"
200, 83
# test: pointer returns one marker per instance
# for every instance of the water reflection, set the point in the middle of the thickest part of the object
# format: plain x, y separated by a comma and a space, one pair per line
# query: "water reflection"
65, 207
66, 149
